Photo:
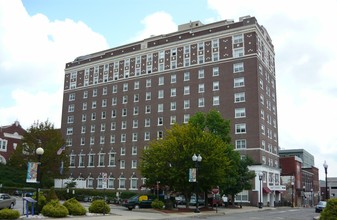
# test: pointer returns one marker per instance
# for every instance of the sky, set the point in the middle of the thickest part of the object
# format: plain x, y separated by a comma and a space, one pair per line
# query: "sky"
38, 37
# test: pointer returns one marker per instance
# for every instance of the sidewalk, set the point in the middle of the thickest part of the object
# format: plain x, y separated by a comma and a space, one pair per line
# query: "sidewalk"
117, 213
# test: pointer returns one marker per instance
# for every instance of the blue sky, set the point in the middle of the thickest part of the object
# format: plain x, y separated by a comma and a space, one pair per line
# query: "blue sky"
38, 37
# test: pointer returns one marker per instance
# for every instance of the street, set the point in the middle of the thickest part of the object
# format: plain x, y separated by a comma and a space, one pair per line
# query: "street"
249, 213
277, 214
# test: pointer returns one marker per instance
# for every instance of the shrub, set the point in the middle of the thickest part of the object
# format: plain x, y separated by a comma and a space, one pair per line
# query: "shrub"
99, 206
55, 209
330, 211
42, 201
74, 207
51, 195
157, 204
9, 214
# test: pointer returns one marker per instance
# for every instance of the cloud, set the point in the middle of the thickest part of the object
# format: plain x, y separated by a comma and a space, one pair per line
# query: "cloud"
305, 70
34, 51
157, 23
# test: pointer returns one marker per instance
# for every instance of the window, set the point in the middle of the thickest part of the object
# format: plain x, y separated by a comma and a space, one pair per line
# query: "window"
186, 104
173, 119
240, 144
136, 97
238, 67
105, 91
240, 128
125, 99
237, 52
147, 109
160, 121
123, 138
147, 122
201, 59
84, 117
72, 97
112, 158
92, 128
134, 136
215, 43
134, 164
125, 87
114, 89
186, 118
173, 78
85, 94
173, 92
173, 106
136, 85
148, 83
147, 136
101, 159
135, 123
186, 90
123, 125
215, 85
122, 164
122, 181
237, 39
148, 96
240, 112
239, 82
201, 88
135, 110
94, 92
104, 102
201, 74
160, 94
239, 97
215, 56
81, 160
216, 100
114, 101
71, 108
201, 102
160, 107
112, 139
123, 151
215, 71
93, 116
91, 160
161, 81
124, 112
134, 150
201, 46
93, 104
186, 76
103, 115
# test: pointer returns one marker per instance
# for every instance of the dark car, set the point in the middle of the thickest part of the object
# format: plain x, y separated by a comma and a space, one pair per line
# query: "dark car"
320, 206
138, 201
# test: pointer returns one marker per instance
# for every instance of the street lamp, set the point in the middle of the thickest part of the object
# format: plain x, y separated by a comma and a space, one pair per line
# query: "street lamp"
312, 197
304, 197
197, 160
325, 165
292, 194
39, 152
260, 178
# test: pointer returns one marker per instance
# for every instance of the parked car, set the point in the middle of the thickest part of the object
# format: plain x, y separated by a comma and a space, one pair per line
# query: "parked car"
193, 201
138, 201
6, 201
320, 206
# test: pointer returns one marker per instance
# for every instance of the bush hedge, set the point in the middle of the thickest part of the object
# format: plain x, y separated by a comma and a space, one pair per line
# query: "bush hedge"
99, 206
157, 204
330, 211
9, 214
55, 209
74, 207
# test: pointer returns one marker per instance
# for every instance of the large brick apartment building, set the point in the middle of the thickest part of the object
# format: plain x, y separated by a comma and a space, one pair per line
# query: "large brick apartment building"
116, 101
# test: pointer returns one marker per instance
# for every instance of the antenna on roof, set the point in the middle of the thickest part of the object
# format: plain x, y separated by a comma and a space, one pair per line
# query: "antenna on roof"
191, 27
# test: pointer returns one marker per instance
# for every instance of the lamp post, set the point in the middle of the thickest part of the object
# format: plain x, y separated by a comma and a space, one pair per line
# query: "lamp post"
197, 160
304, 196
39, 152
260, 178
325, 165
292, 194
312, 197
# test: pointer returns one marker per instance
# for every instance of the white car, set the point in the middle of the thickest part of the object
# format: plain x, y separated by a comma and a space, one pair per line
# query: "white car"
6, 201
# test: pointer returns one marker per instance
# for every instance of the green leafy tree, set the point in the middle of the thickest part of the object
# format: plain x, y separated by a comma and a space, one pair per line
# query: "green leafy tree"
330, 211
169, 160
240, 177
50, 139
212, 122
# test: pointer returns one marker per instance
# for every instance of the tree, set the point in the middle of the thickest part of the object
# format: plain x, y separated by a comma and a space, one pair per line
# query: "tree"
169, 160
212, 122
50, 139
240, 177
330, 211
